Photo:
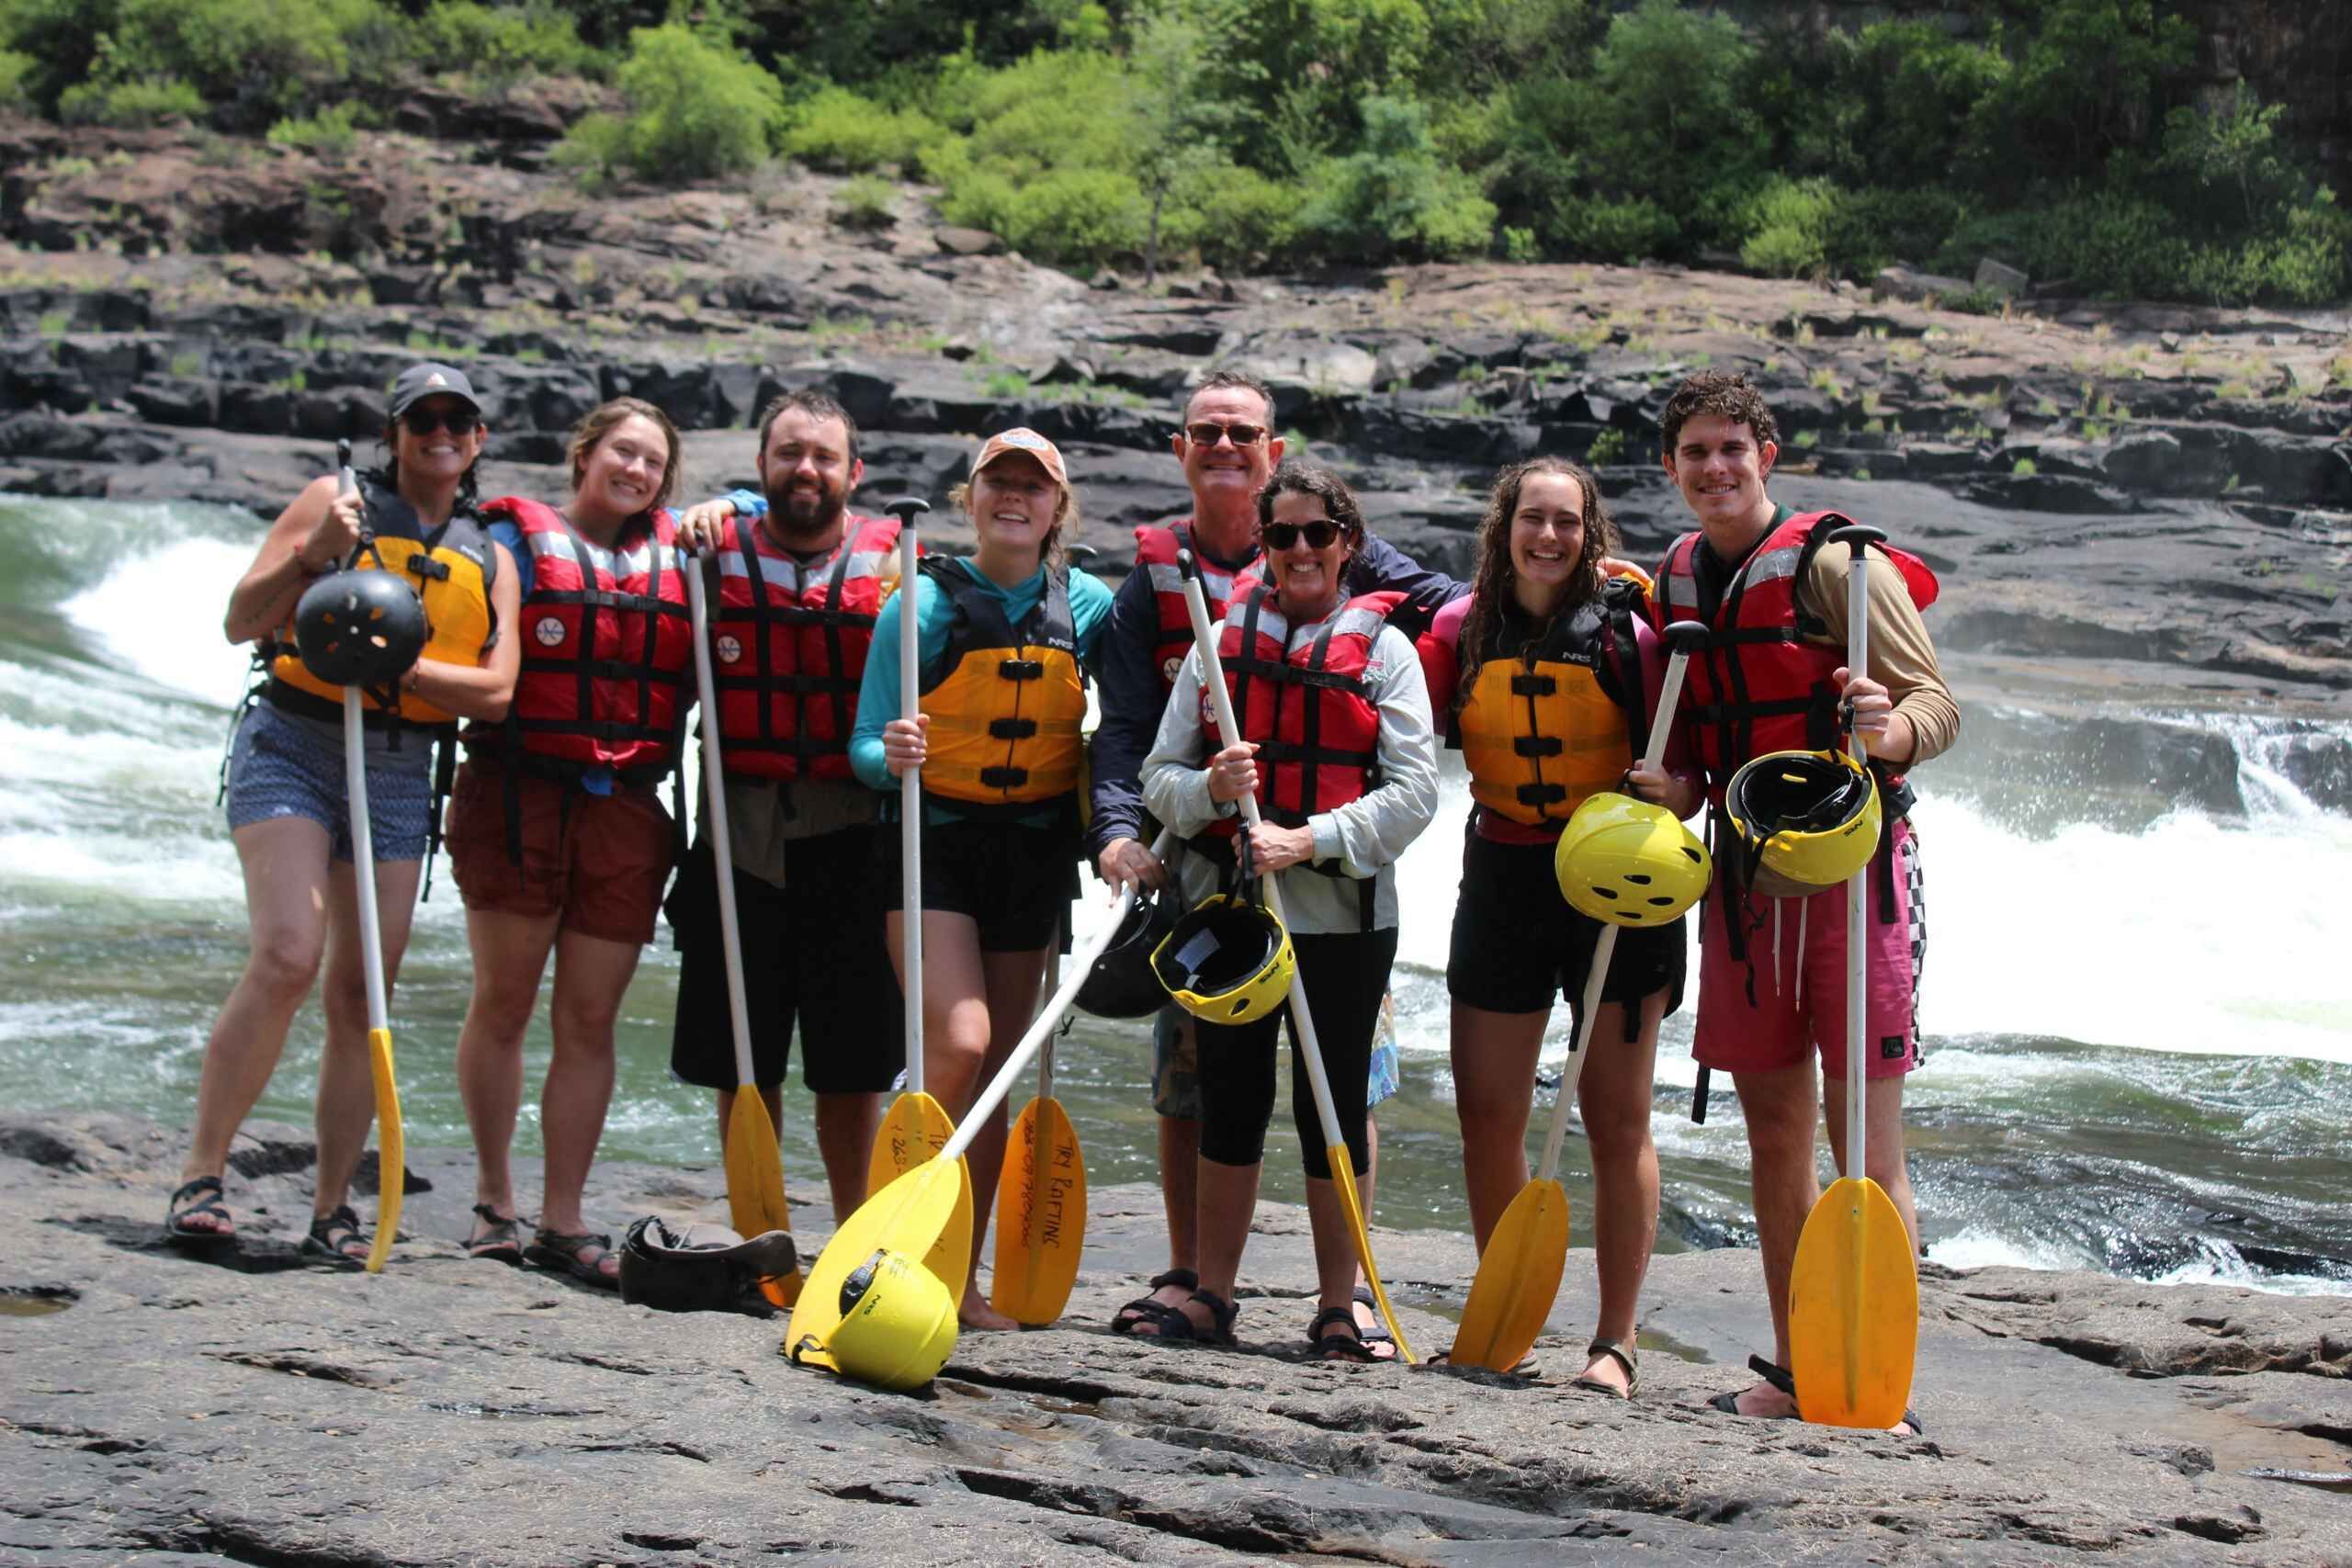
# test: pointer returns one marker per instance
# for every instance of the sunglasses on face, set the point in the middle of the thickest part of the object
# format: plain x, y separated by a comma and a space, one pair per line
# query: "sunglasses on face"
457, 421
1207, 434
1282, 536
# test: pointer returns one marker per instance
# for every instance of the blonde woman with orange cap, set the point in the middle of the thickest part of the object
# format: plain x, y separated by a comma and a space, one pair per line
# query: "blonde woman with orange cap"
1000, 841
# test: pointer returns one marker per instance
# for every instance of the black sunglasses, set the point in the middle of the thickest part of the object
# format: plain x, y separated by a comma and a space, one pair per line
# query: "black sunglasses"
1207, 434
1319, 534
457, 421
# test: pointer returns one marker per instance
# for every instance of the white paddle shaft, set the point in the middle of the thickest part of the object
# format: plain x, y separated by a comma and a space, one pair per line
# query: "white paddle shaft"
1081, 964
1605, 948
1229, 732
1858, 653
363, 840
715, 793
910, 804
1053, 984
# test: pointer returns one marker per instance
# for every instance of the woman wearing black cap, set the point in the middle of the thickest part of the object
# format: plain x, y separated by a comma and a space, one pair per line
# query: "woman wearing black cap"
288, 813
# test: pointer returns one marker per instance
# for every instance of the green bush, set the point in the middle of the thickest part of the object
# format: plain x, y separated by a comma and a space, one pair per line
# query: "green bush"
696, 110
1076, 216
1394, 197
840, 131
866, 202
1867, 229
503, 41
1787, 225
1235, 217
1613, 230
137, 104
334, 132
15, 75
253, 61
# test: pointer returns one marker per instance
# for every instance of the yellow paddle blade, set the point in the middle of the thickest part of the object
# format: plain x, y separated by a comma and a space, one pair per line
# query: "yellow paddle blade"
391, 1152
755, 1203
1040, 1216
1853, 1310
1344, 1173
1518, 1279
916, 1127
908, 1217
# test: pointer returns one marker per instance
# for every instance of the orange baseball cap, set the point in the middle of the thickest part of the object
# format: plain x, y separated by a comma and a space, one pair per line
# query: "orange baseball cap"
1024, 439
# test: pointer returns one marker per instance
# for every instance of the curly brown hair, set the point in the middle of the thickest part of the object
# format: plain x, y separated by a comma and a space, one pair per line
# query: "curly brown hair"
601, 420
1728, 394
1492, 583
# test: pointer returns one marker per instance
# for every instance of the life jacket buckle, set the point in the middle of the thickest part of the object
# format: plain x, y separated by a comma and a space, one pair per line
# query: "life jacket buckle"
1542, 794
1021, 670
1527, 686
1012, 729
1536, 745
1004, 778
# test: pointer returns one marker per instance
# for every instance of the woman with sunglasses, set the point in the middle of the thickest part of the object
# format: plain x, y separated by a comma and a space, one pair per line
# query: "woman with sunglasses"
1545, 675
558, 840
1005, 636
1336, 746
288, 809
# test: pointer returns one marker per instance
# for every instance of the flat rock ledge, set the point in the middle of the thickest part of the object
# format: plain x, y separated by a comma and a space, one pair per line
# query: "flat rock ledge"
162, 1409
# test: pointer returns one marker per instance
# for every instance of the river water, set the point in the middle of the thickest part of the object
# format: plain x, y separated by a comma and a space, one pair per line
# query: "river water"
2139, 1028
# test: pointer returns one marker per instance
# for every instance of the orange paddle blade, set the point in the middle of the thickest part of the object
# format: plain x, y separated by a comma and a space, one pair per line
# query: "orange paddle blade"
392, 1149
1343, 1172
755, 1202
1518, 1279
909, 1218
1040, 1216
1853, 1310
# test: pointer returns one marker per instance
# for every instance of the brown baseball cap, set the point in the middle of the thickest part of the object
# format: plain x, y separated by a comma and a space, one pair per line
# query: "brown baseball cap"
1024, 439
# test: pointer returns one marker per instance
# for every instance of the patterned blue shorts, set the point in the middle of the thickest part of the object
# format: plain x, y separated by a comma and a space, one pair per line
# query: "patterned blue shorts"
279, 767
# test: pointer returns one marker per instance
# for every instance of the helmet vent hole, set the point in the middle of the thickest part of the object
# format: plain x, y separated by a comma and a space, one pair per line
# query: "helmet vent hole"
1638, 878
1689, 854
1609, 892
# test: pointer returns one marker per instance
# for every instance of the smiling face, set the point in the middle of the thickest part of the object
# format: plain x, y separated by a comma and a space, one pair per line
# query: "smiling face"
1721, 468
1223, 473
1546, 540
807, 474
1306, 579
437, 455
621, 475
1012, 503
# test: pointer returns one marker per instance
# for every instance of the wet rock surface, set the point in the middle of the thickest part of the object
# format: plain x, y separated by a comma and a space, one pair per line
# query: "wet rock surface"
162, 1408
2096, 483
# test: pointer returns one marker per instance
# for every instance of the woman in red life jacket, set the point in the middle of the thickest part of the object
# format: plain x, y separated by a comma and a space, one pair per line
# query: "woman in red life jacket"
556, 836
1546, 674
1337, 747
288, 814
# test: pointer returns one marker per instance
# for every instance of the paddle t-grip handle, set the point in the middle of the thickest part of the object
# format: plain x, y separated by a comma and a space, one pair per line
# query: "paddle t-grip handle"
1857, 538
907, 509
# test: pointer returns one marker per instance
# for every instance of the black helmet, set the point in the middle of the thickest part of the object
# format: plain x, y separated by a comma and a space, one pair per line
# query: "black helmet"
702, 1268
1121, 984
359, 628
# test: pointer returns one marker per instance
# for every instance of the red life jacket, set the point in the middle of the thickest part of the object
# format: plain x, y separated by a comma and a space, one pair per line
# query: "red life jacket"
788, 645
1760, 686
1156, 548
1304, 703
607, 649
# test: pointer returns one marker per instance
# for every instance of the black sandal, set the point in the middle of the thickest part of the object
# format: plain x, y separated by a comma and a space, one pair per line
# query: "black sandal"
559, 1253
1352, 1345
1625, 1358
334, 1237
1177, 1326
1378, 1333
1781, 1378
201, 1196
1143, 1309
499, 1239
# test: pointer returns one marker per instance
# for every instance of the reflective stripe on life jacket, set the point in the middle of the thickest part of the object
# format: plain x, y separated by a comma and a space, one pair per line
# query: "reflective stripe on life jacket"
451, 567
1760, 685
1005, 703
1156, 548
1299, 693
788, 644
607, 648
1539, 728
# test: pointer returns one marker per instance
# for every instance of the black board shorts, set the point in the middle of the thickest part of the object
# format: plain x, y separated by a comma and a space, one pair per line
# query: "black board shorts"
1015, 881
1516, 944
813, 955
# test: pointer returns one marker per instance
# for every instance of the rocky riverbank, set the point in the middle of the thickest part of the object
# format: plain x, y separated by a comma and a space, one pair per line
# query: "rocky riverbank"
2164, 488
159, 1408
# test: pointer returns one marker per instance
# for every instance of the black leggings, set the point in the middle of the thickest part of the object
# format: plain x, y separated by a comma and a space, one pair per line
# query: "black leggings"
1345, 977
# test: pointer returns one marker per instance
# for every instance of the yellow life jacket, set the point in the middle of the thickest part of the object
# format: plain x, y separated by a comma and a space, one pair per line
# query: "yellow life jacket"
450, 567
1005, 702
1539, 730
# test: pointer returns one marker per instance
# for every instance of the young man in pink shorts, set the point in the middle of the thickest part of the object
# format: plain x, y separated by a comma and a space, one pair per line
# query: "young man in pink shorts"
1773, 971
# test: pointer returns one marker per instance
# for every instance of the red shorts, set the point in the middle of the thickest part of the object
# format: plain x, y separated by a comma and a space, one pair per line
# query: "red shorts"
599, 861
1798, 995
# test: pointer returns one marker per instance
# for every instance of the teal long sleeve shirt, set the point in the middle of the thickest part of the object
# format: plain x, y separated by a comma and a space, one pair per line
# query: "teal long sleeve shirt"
877, 695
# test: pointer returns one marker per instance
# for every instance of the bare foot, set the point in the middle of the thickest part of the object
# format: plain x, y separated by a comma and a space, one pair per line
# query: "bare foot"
976, 1313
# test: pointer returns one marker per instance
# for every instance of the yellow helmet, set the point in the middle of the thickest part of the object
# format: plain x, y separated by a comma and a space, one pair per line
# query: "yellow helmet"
1807, 820
897, 1324
1629, 863
1229, 961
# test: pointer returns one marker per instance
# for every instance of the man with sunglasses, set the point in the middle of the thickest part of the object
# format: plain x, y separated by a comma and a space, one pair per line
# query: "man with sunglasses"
1228, 449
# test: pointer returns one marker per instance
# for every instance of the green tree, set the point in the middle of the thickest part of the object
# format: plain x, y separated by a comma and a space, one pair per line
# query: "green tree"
1180, 122
696, 109
1394, 196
